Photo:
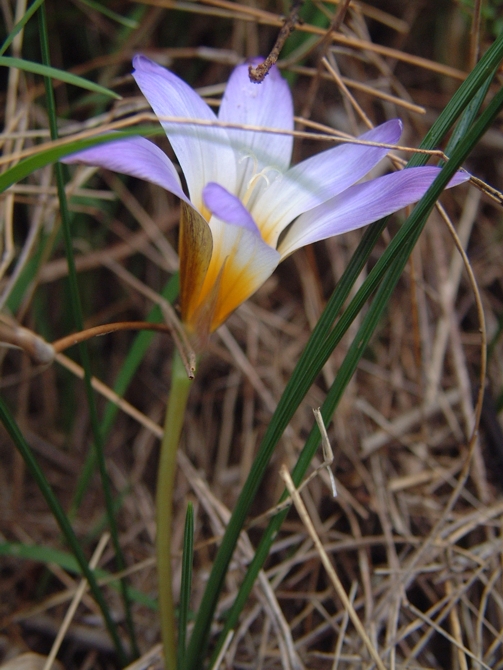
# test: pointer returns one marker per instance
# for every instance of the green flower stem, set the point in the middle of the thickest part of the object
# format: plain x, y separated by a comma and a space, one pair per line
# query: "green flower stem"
175, 413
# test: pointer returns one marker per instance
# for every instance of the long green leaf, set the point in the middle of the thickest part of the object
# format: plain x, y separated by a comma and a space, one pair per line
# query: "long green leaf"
19, 25
309, 367
109, 13
67, 561
415, 224
404, 247
54, 73
469, 115
79, 323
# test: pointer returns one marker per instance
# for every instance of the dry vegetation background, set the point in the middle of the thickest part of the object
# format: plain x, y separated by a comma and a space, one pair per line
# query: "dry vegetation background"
415, 534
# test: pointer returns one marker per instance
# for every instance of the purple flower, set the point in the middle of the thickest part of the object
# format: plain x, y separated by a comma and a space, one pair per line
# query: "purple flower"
243, 194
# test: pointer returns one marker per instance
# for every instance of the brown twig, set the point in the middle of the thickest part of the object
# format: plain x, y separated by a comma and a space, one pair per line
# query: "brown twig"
259, 73
42, 352
69, 340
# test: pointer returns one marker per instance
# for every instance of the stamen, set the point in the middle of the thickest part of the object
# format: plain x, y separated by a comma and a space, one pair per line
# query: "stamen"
253, 182
245, 157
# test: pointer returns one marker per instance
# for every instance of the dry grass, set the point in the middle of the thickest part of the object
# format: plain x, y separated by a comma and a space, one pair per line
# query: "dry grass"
414, 537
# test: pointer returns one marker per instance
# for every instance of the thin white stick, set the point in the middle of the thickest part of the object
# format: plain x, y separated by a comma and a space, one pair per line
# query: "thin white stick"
75, 603
339, 589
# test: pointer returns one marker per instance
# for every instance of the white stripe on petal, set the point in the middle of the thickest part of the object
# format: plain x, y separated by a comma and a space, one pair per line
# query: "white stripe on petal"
204, 152
319, 178
268, 104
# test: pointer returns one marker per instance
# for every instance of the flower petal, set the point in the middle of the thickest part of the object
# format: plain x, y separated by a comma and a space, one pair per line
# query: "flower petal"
136, 157
244, 260
204, 152
227, 207
195, 247
267, 104
240, 264
319, 178
362, 204
241, 261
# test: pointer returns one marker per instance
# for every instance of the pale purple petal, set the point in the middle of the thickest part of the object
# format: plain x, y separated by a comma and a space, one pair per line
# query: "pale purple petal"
134, 156
268, 104
320, 178
204, 152
362, 204
227, 207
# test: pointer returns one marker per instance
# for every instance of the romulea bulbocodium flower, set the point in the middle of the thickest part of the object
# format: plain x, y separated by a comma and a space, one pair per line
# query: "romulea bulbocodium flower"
242, 193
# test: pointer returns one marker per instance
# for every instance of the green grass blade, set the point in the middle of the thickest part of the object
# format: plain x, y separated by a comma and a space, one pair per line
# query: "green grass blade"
495, 338
109, 13
68, 562
54, 73
41, 554
62, 520
415, 223
469, 115
79, 323
311, 363
186, 584
19, 25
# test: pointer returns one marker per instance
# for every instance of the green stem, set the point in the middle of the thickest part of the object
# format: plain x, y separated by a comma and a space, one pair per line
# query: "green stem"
175, 413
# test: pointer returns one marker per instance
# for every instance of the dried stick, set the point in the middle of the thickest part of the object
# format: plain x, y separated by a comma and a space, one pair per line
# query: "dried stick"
259, 73
339, 589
